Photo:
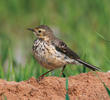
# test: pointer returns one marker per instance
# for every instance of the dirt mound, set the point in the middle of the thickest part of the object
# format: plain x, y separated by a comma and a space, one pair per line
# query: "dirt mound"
85, 86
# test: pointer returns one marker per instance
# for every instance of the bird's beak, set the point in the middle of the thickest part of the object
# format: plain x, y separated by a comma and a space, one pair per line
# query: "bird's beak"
30, 29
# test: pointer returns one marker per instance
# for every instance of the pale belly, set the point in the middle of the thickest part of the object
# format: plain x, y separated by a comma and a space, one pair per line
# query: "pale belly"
49, 58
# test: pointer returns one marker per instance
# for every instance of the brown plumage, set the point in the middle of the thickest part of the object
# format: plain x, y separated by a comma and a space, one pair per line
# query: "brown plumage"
52, 52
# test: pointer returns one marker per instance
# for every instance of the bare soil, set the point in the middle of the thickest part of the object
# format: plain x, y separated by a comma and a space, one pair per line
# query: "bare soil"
85, 86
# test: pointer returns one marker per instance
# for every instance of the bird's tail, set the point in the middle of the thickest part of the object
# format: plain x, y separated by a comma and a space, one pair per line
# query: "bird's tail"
94, 68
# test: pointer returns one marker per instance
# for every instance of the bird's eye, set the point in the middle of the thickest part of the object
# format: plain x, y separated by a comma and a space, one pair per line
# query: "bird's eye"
39, 31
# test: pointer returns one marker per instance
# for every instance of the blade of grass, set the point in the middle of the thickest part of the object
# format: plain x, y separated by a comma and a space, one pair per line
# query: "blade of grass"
4, 97
102, 37
84, 70
67, 96
107, 89
11, 72
1, 71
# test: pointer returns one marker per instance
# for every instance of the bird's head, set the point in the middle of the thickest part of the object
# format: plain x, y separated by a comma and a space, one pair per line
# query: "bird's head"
42, 32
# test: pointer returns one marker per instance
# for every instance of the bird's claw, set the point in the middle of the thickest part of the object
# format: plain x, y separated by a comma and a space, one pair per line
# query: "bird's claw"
40, 78
62, 74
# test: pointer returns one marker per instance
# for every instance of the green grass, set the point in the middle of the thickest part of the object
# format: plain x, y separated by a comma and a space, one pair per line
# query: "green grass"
77, 23
105, 86
67, 96
107, 89
4, 97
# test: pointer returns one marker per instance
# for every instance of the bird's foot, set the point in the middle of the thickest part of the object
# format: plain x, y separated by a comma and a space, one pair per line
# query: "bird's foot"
62, 74
40, 78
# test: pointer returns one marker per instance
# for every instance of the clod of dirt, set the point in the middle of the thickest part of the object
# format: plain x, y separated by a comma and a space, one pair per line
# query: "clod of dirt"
86, 86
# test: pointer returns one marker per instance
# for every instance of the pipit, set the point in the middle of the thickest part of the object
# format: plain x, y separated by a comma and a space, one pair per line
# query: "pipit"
53, 53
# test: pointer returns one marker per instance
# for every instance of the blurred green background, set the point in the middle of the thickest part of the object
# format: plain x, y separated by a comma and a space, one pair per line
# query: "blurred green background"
80, 23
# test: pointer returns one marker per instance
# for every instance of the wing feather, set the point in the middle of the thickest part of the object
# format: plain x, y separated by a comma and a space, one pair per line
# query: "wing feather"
63, 48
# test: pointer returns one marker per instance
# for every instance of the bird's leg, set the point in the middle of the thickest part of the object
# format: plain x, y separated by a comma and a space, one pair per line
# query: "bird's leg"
62, 71
42, 76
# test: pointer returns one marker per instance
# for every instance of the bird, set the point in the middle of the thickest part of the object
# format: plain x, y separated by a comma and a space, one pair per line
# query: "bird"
53, 53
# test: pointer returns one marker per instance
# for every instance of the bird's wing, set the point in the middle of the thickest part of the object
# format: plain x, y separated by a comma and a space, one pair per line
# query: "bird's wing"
63, 48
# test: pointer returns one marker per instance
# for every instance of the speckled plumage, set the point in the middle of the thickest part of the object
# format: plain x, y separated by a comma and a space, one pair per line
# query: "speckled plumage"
52, 52
48, 56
